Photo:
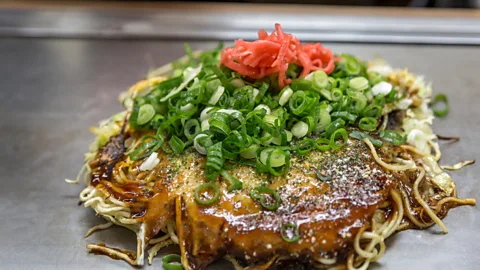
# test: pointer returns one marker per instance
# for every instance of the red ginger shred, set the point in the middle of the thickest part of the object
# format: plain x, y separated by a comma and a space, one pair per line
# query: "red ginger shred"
272, 54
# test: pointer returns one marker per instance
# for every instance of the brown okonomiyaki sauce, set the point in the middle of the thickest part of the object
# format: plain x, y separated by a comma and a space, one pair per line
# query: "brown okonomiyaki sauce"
328, 213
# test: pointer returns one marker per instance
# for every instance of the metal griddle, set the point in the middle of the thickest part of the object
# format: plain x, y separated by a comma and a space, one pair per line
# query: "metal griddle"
52, 89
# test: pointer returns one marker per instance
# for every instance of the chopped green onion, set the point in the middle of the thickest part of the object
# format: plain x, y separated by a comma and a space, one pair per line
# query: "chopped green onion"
290, 232
145, 149
270, 158
305, 146
282, 139
285, 95
235, 184
188, 107
301, 84
338, 123
324, 178
216, 95
270, 120
276, 161
343, 134
201, 142
359, 135
262, 89
372, 110
437, 102
358, 103
300, 129
299, 102
310, 121
392, 137
172, 262
341, 83
201, 198
205, 125
345, 116
391, 96
320, 79
264, 195
358, 83
207, 113
263, 107
368, 124
352, 65
215, 161
176, 144
375, 77
336, 94
292, 71
188, 75
220, 123
379, 100
145, 114
326, 94
191, 128
237, 83
322, 118
322, 144
250, 152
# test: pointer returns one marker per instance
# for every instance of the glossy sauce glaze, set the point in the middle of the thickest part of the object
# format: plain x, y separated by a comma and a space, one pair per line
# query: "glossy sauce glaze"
327, 213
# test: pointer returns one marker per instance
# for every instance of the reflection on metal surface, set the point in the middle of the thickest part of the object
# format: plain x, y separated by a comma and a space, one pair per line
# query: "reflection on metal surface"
227, 25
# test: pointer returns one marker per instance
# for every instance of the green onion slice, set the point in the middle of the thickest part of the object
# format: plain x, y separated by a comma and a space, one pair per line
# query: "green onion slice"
359, 135
349, 117
266, 195
200, 191
145, 114
220, 123
321, 176
358, 83
176, 144
372, 110
235, 184
285, 95
352, 65
337, 124
368, 124
392, 137
271, 158
322, 144
305, 146
172, 262
436, 103
300, 129
215, 161
299, 102
191, 128
320, 79
290, 232
322, 119
391, 96
336, 94
333, 139
250, 152
146, 148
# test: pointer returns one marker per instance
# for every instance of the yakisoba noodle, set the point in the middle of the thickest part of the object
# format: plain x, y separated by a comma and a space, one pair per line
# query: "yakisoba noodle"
328, 209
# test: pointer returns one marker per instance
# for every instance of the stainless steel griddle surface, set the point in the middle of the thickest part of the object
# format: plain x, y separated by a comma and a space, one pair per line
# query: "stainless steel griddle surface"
52, 90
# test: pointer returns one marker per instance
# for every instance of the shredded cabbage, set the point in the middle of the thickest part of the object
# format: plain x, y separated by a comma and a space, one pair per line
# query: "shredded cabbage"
440, 178
150, 162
